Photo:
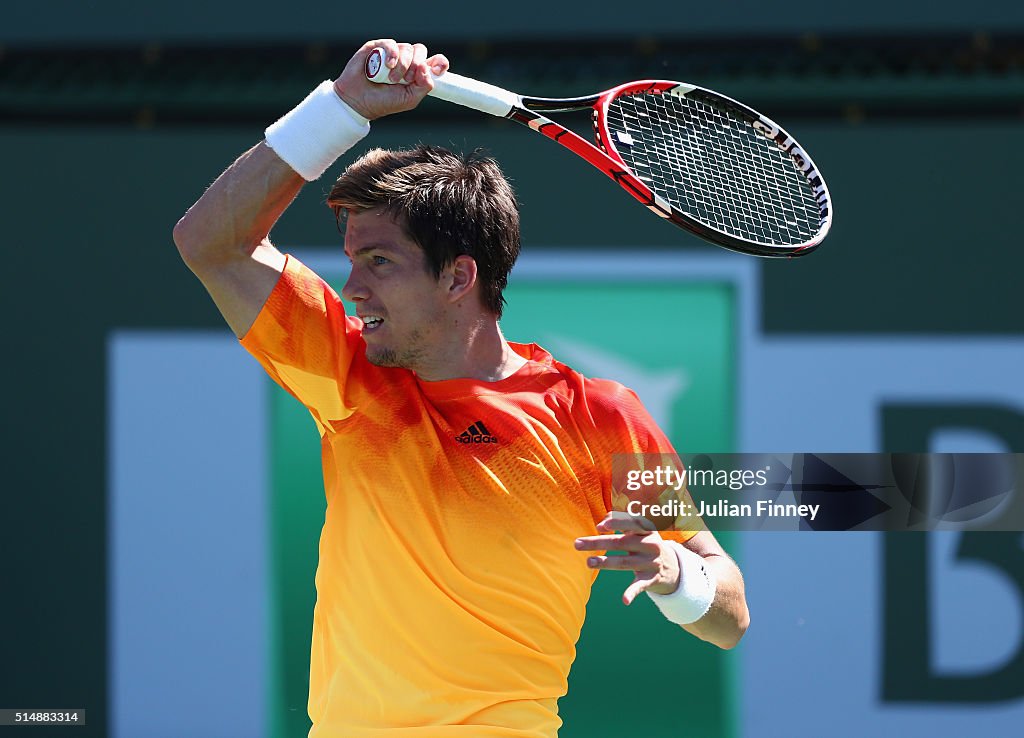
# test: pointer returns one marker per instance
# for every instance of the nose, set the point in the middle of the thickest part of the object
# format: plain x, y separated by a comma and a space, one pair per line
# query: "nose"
354, 289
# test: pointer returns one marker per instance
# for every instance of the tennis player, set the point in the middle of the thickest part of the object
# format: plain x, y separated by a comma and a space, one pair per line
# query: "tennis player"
468, 479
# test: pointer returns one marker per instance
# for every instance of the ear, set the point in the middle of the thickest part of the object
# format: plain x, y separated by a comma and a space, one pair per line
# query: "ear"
462, 277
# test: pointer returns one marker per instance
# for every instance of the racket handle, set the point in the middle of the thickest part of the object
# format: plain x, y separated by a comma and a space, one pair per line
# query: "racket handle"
452, 87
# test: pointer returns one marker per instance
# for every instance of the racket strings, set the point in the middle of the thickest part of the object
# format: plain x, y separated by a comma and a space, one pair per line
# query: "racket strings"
715, 167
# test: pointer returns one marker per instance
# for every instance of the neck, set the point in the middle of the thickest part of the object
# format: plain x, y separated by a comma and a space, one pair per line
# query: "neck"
477, 350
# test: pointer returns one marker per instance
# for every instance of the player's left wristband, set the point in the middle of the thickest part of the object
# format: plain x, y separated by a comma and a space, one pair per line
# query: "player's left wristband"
697, 585
316, 132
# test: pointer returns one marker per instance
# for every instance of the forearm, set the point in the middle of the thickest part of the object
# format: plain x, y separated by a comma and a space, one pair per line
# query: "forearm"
237, 211
727, 619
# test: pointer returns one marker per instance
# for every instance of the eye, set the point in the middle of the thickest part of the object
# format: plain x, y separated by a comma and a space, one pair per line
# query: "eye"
378, 260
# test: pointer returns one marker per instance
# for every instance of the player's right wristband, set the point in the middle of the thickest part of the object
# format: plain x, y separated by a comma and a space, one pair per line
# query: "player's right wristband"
697, 586
316, 132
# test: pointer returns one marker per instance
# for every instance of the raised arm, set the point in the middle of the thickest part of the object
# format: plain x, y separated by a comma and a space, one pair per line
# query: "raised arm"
224, 238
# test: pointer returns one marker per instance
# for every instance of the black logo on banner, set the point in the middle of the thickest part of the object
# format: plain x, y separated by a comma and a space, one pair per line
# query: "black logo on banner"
909, 671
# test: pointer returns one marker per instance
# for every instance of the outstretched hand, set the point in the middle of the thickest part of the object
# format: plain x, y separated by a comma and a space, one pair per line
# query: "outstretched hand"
653, 561
408, 62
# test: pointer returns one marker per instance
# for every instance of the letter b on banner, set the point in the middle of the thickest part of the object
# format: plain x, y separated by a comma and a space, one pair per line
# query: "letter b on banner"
909, 671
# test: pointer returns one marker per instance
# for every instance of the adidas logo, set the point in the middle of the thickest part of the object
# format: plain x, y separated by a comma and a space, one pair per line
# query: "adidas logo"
476, 433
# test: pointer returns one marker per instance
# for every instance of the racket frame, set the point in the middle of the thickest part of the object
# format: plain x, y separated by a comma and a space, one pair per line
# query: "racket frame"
606, 157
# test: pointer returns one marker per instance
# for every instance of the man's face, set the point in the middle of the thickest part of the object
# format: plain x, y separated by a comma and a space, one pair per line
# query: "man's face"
398, 299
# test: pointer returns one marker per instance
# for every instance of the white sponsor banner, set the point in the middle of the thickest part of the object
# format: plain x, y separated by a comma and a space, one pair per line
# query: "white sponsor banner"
187, 534
813, 660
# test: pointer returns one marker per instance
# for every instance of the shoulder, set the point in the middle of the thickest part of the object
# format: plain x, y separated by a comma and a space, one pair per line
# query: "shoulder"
621, 423
602, 403
612, 402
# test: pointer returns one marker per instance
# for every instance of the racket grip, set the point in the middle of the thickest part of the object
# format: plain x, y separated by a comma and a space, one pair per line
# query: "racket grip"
452, 87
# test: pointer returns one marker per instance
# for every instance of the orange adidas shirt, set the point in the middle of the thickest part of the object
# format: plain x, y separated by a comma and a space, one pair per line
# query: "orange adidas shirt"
449, 593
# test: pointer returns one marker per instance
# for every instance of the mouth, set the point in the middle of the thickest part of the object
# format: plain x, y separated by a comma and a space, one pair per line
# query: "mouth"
371, 322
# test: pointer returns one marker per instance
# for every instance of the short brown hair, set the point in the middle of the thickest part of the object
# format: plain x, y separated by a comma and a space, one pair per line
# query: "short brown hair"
450, 204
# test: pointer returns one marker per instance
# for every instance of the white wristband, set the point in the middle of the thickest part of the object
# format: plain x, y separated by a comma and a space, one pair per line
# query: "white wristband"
316, 132
696, 591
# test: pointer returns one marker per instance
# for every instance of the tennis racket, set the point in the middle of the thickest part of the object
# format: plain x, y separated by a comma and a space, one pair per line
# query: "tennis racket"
698, 159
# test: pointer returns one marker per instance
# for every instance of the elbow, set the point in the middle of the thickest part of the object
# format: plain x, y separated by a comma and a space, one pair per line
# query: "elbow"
193, 244
725, 629
183, 240
204, 247
186, 242
733, 638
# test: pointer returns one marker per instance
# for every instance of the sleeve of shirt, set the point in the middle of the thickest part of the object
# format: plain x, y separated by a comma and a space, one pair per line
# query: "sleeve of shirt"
631, 443
306, 343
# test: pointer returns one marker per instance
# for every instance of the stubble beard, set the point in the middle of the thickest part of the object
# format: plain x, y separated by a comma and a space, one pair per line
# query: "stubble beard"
407, 358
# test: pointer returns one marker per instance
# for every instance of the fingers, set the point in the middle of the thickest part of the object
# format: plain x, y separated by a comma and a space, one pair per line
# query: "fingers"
407, 62
634, 589
652, 561
408, 71
406, 56
622, 563
616, 520
618, 542
401, 58
438, 64
420, 73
